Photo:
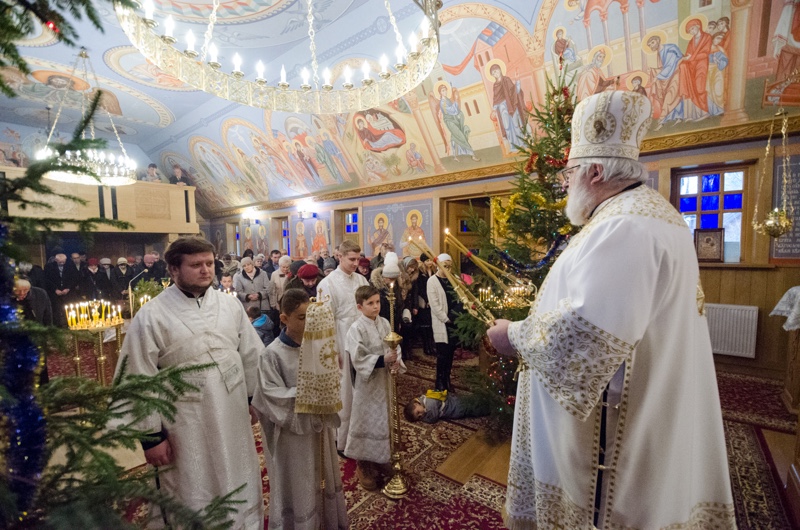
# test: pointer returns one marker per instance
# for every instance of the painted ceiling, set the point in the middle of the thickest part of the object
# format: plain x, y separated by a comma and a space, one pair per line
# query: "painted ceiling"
493, 66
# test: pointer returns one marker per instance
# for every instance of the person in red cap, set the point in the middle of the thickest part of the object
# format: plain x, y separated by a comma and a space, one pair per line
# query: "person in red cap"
95, 284
364, 268
308, 277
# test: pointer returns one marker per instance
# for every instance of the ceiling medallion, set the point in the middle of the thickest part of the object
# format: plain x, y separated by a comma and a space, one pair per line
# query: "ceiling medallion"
202, 71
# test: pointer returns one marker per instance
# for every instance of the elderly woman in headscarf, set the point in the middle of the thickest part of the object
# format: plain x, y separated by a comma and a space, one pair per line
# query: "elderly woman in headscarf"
254, 288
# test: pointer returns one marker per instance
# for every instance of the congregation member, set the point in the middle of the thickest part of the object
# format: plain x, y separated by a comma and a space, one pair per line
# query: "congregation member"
121, 277
281, 276
308, 279
208, 451
94, 282
253, 287
617, 390
338, 290
272, 264
62, 280
364, 268
300, 429
262, 324
226, 283
33, 273
445, 308
328, 266
434, 406
372, 359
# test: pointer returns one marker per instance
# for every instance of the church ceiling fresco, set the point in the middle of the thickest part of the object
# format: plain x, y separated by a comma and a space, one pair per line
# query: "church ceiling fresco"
713, 70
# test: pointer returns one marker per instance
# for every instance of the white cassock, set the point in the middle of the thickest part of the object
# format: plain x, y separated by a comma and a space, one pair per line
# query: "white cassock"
369, 424
300, 448
211, 438
617, 354
341, 290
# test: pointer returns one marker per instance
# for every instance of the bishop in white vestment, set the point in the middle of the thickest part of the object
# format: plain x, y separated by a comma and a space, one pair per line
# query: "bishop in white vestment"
617, 421
338, 290
211, 439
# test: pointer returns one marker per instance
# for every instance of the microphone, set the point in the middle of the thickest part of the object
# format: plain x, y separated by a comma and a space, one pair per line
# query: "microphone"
130, 291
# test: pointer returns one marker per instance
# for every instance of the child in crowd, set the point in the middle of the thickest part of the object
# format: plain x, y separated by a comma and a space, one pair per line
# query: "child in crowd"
300, 448
434, 406
368, 439
262, 323
226, 282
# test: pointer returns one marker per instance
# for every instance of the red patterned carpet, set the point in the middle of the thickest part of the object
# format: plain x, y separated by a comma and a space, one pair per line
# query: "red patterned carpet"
756, 401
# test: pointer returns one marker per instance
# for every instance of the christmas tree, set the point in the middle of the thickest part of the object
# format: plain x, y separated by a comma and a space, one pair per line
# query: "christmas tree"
530, 228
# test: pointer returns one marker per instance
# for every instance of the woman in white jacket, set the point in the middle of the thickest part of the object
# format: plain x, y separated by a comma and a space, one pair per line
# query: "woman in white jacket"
445, 307
253, 287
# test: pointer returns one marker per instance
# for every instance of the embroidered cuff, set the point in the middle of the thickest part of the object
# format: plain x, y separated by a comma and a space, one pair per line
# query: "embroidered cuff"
153, 440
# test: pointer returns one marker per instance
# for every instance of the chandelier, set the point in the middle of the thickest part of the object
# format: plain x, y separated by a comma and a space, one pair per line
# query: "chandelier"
90, 166
203, 72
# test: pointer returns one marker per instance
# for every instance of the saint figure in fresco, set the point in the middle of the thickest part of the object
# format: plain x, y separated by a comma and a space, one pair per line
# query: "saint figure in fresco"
449, 112
693, 74
414, 159
320, 241
508, 106
591, 79
717, 62
381, 237
377, 131
412, 232
300, 246
664, 78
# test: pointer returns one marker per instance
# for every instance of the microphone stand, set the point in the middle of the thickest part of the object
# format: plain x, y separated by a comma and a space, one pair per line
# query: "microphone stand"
130, 291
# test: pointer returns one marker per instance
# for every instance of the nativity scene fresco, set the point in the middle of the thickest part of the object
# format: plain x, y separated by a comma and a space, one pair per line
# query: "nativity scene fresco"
704, 65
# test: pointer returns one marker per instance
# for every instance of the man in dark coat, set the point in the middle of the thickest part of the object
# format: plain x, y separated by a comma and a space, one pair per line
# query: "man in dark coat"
120, 276
95, 284
62, 280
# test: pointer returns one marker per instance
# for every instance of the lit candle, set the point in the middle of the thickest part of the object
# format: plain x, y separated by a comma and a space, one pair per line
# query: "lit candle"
190, 41
304, 73
259, 70
148, 9
283, 74
412, 41
237, 63
326, 76
425, 26
169, 26
348, 75
365, 69
384, 61
66, 313
401, 53
212, 53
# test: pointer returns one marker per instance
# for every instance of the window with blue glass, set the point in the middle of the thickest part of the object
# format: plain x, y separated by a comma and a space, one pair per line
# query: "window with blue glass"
714, 199
285, 239
351, 222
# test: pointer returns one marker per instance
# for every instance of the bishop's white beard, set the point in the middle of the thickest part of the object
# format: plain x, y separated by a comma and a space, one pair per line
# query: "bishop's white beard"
579, 201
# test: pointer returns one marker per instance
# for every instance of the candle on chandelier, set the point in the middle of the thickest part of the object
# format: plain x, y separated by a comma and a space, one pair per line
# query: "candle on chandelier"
384, 62
326, 76
148, 9
304, 73
426, 27
412, 42
401, 53
259, 70
169, 26
365, 69
190, 41
348, 75
237, 63
283, 74
212, 53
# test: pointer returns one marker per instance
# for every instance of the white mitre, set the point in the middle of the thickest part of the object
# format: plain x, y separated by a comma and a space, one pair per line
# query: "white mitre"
610, 124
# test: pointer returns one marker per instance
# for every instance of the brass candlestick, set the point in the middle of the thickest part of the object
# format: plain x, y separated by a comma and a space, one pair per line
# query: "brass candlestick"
396, 488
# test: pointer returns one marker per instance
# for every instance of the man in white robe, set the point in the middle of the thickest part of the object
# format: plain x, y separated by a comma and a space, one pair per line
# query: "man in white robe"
209, 448
300, 447
618, 421
338, 289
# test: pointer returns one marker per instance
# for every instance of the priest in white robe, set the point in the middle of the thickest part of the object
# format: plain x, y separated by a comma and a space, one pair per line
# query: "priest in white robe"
305, 482
618, 421
338, 290
209, 448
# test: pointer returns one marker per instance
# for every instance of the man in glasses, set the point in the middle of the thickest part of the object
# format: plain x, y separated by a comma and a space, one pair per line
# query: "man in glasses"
618, 421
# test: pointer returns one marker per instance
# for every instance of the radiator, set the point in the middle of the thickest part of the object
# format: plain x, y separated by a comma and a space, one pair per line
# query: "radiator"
733, 329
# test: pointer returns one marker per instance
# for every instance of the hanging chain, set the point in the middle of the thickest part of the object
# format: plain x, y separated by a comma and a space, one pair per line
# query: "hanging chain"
86, 65
397, 34
212, 19
313, 45
113, 127
63, 99
762, 174
785, 166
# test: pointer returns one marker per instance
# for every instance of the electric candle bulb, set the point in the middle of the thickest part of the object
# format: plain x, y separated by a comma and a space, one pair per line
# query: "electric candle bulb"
237, 63
425, 26
283, 74
305, 75
412, 41
260, 70
169, 26
384, 61
190, 40
212, 53
326, 76
148, 9
365, 69
348, 74
401, 53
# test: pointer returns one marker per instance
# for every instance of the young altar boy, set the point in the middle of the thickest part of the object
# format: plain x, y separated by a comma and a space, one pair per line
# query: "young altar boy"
371, 358
300, 448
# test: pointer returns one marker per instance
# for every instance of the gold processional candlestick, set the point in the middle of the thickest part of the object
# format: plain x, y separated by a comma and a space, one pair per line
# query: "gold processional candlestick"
471, 303
396, 488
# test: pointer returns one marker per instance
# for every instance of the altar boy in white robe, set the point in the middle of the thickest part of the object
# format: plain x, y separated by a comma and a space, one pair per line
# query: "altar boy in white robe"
617, 421
209, 448
297, 398
338, 291
368, 442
